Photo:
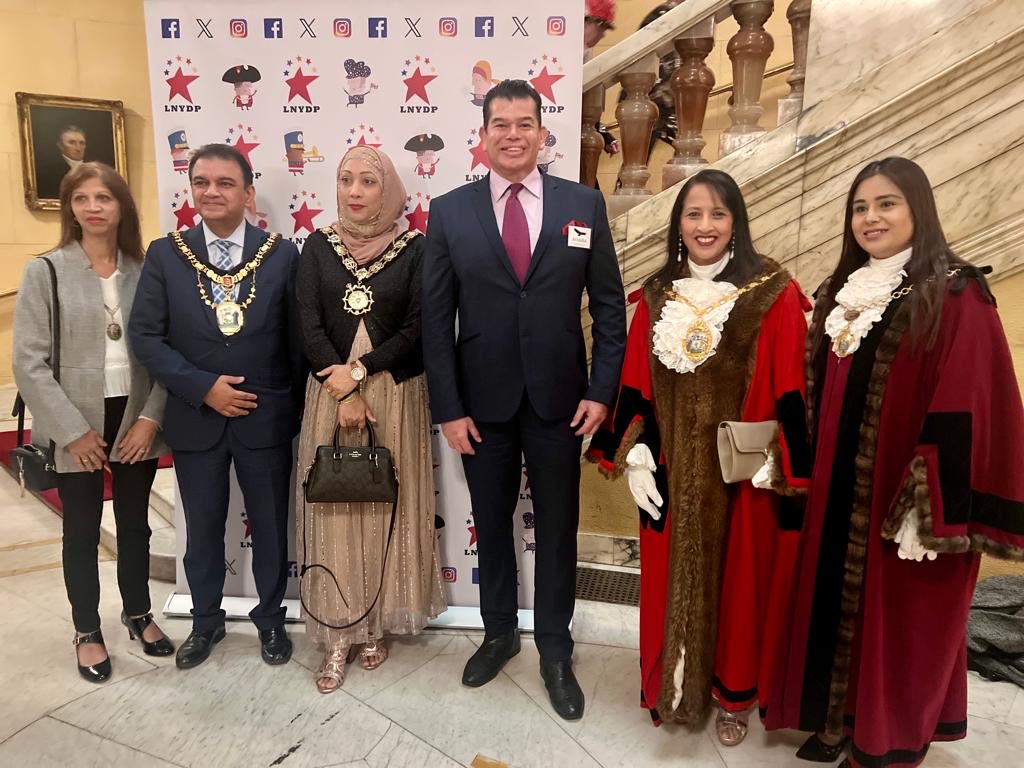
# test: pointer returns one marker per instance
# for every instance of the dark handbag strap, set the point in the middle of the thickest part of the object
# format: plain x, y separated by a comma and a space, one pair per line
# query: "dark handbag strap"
19, 402
306, 568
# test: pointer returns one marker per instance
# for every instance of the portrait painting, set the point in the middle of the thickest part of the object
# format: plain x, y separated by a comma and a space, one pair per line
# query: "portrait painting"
59, 133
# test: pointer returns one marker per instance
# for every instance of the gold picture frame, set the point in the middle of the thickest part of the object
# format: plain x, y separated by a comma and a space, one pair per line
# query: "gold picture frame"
58, 131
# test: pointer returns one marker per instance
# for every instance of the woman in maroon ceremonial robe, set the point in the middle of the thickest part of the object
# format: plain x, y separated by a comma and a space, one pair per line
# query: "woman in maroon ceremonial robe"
717, 335
918, 439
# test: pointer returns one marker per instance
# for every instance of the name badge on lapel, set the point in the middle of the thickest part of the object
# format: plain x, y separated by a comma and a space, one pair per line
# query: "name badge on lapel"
577, 234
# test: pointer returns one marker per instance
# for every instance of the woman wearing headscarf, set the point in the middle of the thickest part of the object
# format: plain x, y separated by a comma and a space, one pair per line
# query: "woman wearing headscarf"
359, 299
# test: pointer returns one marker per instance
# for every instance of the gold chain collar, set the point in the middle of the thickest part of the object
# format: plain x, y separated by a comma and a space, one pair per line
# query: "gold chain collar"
701, 311
227, 282
364, 273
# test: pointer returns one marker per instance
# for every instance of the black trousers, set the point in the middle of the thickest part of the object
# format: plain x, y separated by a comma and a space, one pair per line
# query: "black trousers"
81, 494
203, 480
552, 454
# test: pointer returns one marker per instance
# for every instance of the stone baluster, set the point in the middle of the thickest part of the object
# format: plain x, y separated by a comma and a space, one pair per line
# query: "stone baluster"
799, 15
591, 142
749, 50
636, 114
691, 84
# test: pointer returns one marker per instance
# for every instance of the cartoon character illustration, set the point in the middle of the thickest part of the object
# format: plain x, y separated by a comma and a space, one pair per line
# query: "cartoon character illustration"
481, 82
426, 146
254, 217
179, 151
547, 154
357, 81
295, 148
242, 77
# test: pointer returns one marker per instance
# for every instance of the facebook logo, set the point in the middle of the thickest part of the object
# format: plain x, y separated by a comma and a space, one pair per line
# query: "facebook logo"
483, 26
170, 28
377, 26
273, 28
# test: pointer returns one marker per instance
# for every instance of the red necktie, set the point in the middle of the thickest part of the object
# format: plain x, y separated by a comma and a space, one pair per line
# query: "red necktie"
515, 233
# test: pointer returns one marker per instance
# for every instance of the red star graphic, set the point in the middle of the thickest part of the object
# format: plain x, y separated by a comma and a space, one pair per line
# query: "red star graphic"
542, 84
248, 528
179, 85
245, 147
364, 143
417, 85
186, 216
479, 156
418, 219
304, 218
472, 534
298, 85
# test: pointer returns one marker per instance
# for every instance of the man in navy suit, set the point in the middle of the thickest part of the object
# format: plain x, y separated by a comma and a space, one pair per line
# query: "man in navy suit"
213, 321
511, 254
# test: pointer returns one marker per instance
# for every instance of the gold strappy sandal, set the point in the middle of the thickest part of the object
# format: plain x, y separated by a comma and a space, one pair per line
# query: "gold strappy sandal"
332, 672
373, 654
732, 728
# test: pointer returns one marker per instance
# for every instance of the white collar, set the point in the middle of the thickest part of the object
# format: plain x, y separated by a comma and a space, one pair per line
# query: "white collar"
236, 238
709, 271
534, 184
892, 265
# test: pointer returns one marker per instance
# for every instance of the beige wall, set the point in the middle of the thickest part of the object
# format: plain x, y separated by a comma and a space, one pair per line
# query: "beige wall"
66, 48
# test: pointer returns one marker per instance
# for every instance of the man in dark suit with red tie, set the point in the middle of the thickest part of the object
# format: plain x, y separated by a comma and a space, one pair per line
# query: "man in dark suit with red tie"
511, 255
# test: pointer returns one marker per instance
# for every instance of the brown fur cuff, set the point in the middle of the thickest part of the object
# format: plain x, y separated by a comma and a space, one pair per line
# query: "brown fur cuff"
779, 483
629, 438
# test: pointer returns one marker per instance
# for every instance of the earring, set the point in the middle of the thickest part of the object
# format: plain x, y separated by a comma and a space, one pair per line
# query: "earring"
679, 250
732, 242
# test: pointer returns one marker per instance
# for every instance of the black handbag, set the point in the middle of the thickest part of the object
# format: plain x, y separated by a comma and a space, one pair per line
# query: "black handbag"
36, 466
343, 474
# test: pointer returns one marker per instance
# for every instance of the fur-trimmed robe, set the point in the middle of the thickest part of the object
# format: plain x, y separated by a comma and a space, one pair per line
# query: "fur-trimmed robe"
877, 644
711, 534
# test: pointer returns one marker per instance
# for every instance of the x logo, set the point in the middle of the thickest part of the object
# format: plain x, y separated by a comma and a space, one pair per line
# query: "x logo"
520, 26
204, 28
412, 27
307, 28
229, 566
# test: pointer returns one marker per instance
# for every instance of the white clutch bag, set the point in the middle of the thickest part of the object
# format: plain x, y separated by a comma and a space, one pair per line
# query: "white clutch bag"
743, 447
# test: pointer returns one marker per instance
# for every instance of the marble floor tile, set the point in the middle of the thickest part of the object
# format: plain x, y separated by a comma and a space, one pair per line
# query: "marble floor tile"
401, 749
606, 624
499, 719
234, 710
1016, 715
49, 743
41, 555
988, 743
760, 749
989, 699
26, 519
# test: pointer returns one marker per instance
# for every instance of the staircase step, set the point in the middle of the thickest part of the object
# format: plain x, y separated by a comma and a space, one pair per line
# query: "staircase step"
162, 545
164, 494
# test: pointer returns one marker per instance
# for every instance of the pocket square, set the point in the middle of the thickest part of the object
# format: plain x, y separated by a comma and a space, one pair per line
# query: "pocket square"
573, 223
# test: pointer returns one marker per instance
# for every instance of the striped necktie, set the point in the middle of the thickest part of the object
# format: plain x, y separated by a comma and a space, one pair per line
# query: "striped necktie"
221, 258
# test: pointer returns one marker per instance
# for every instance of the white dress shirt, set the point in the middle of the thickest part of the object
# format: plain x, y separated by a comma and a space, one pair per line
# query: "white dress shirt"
531, 198
236, 238
117, 377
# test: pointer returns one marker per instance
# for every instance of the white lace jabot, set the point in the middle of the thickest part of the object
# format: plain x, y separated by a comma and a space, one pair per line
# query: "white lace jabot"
867, 294
676, 318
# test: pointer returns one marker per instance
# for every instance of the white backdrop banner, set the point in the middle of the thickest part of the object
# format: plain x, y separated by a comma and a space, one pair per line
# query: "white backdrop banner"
292, 85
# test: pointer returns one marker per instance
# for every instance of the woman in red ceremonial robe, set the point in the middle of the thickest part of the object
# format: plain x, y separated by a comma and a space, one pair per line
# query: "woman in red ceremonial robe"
918, 438
717, 335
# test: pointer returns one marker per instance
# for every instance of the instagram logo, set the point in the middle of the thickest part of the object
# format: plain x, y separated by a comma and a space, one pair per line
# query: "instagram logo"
448, 26
343, 28
238, 28
449, 574
556, 26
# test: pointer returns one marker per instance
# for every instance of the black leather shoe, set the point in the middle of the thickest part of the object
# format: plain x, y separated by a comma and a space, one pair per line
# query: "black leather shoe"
196, 648
275, 645
136, 626
94, 673
484, 665
817, 751
563, 690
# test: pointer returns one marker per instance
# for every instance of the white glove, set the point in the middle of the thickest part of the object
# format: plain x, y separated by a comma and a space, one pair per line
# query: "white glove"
763, 477
910, 546
640, 469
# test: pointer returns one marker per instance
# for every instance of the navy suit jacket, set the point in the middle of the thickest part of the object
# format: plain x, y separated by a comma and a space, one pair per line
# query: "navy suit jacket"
175, 336
516, 337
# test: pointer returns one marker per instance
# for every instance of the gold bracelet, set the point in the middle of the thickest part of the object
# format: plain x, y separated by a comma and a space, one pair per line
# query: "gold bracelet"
349, 396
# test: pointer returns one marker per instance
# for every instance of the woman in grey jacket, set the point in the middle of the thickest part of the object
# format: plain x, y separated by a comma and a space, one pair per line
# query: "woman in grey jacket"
100, 409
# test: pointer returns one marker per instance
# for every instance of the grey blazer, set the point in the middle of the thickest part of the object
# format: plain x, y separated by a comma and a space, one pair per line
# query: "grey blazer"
65, 411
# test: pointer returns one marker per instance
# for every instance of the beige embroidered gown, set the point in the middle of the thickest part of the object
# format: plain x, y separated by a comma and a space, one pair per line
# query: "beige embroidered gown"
350, 539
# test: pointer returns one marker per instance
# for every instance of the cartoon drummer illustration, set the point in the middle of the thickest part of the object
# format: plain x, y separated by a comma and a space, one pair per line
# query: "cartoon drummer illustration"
295, 149
481, 82
548, 154
179, 151
426, 146
357, 81
243, 77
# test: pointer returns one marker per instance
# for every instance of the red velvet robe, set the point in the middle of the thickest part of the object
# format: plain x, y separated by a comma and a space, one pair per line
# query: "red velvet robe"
742, 586
876, 648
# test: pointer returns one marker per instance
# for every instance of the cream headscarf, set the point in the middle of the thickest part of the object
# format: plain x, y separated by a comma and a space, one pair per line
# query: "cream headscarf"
368, 240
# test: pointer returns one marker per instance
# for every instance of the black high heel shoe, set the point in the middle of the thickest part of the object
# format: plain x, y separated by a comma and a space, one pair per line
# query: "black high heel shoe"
817, 751
94, 673
136, 626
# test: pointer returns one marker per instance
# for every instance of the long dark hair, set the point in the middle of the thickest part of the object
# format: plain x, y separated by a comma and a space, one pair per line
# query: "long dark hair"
129, 234
746, 262
931, 257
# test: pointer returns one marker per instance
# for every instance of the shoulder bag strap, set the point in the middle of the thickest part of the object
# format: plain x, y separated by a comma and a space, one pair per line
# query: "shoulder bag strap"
19, 402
